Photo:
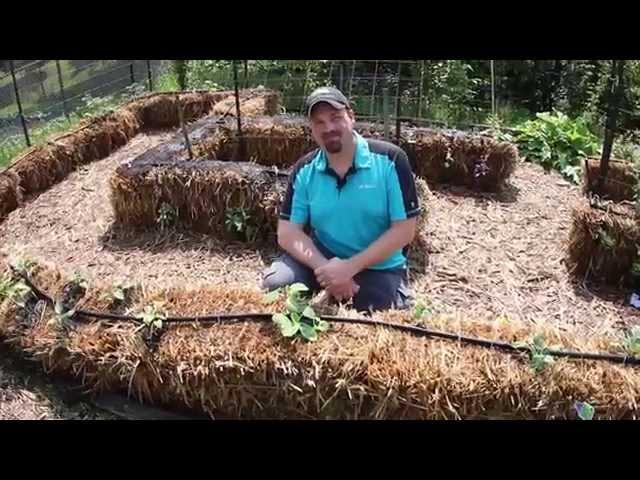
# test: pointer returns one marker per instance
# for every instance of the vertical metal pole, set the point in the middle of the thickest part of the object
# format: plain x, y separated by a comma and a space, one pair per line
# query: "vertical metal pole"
385, 111
493, 90
419, 109
20, 113
398, 102
353, 71
131, 73
330, 80
149, 76
64, 98
241, 146
373, 90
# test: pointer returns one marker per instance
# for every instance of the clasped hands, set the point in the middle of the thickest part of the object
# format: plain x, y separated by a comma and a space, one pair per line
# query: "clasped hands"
336, 276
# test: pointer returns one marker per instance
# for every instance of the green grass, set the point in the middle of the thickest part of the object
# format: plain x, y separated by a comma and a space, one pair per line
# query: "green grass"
13, 146
31, 98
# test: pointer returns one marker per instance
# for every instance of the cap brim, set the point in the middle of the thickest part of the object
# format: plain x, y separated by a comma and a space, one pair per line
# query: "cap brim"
333, 103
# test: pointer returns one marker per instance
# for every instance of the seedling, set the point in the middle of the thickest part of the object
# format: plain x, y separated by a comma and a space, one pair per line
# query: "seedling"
167, 216
239, 222
151, 319
79, 281
13, 290
584, 410
631, 342
538, 353
299, 318
422, 309
117, 293
62, 316
25, 266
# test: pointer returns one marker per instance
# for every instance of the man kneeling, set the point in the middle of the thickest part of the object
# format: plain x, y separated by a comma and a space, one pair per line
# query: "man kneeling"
358, 199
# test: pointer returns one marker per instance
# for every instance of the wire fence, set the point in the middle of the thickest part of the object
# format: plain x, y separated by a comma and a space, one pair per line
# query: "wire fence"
421, 92
37, 91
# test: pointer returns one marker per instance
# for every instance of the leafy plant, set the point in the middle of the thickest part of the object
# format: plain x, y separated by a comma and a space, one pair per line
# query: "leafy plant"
25, 265
271, 296
538, 353
299, 318
62, 316
584, 410
239, 222
14, 290
421, 310
79, 281
167, 216
151, 318
631, 343
557, 142
117, 293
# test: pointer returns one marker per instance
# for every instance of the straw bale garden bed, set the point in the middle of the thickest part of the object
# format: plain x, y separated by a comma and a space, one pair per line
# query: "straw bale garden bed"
117, 219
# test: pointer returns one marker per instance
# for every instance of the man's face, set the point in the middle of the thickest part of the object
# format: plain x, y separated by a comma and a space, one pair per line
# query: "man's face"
331, 128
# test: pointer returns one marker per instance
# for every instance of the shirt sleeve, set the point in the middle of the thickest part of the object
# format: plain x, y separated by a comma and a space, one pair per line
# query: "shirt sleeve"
295, 206
403, 197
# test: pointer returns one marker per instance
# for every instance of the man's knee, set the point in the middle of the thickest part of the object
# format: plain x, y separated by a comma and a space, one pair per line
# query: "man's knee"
277, 275
286, 271
381, 292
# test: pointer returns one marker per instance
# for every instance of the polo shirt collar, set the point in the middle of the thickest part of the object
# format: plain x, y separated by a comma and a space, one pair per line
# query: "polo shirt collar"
362, 155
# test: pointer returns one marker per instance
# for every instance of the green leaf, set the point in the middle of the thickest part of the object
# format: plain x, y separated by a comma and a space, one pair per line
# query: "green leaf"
309, 313
279, 318
298, 287
289, 328
271, 297
308, 332
585, 411
322, 326
538, 341
293, 305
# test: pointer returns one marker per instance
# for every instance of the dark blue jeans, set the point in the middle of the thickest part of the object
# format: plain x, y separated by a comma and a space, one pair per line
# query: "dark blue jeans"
379, 289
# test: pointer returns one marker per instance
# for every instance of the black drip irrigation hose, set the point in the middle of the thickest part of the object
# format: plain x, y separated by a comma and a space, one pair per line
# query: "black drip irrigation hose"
414, 329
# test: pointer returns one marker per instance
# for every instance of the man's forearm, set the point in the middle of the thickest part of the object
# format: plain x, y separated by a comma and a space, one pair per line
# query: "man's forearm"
300, 246
397, 237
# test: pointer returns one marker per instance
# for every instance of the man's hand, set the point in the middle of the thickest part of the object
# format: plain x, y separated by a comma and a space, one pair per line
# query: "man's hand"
344, 292
336, 272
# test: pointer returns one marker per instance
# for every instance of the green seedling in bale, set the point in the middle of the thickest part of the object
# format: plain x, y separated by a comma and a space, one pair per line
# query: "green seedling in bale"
14, 290
422, 309
538, 353
271, 296
584, 410
151, 319
239, 222
62, 316
79, 281
299, 318
117, 293
635, 268
167, 216
25, 266
631, 343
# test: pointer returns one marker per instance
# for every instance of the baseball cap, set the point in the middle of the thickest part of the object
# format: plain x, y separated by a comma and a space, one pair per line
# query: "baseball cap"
330, 95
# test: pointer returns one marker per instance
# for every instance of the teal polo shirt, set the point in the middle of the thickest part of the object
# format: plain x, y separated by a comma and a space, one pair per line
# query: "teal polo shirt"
349, 214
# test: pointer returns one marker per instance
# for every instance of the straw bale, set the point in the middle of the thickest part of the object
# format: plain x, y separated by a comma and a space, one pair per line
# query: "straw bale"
603, 242
247, 370
620, 183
